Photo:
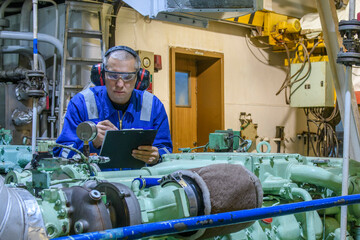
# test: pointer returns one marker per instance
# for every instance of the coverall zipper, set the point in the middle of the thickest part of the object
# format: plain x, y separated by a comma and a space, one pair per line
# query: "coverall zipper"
120, 120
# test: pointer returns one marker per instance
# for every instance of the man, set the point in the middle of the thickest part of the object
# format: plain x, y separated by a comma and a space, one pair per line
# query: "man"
117, 105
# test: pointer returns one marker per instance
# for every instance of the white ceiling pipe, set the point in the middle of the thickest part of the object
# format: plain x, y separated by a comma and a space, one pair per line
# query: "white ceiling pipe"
29, 36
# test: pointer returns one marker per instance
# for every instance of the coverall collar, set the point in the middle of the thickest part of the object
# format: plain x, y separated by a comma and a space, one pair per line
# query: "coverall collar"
110, 110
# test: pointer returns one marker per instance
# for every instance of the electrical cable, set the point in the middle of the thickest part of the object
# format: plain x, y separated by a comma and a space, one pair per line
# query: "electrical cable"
327, 142
310, 140
247, 44
287, 83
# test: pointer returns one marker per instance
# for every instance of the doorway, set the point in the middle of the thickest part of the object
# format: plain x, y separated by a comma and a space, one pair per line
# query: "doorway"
197, 96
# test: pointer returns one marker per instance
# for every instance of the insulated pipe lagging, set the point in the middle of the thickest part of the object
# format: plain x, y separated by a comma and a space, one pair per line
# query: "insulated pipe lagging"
35, 68
310, 222
26, 51
3, 7
29, 36
214, 220
315, 175
25, 19
20, 215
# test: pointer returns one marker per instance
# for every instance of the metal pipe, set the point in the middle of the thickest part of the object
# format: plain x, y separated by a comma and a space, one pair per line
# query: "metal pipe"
310, 221
35, 34
214, 220
52, 111
315, 175
147, 182
26, 51
2, 13
352, 6
34, 126
25, 19
346, 153
52, 123
29, 36
35, 100
25, 27
346, 150
12, 10
3, 7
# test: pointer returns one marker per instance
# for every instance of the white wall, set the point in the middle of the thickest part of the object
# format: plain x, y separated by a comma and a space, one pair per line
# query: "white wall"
250, 84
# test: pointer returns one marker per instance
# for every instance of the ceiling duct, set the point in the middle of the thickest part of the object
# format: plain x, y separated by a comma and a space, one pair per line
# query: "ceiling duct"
199, 12
194, 12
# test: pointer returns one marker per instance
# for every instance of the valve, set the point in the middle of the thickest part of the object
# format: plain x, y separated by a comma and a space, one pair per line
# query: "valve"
36, 79
349, 31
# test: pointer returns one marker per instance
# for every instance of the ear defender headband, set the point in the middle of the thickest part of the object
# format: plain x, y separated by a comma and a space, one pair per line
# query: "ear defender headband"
119, 48
98, 72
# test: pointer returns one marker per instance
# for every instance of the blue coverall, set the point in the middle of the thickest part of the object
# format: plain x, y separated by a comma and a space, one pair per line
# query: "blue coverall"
144, 111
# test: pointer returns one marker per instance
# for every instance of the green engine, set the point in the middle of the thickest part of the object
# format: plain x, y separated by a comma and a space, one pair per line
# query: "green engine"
59, 197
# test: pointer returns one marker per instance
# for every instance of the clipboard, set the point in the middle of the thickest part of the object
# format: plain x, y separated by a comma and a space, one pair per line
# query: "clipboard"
118, 146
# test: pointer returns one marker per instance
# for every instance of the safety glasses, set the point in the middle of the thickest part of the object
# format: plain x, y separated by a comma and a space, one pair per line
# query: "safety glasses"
115, 76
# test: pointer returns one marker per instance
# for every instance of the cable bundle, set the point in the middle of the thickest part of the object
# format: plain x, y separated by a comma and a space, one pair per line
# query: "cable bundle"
297, 76
327, 144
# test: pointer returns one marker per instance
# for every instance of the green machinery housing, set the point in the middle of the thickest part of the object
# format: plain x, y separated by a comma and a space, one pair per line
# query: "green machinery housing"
72, 196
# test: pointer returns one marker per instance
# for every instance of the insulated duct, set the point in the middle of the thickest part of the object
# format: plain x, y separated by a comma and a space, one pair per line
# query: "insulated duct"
213, 9
21, 219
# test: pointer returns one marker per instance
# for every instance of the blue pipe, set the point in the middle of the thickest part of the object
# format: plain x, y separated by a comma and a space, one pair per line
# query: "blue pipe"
214, 220
147, 182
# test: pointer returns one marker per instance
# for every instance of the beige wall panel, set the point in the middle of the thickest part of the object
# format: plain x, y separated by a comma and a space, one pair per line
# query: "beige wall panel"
250, 84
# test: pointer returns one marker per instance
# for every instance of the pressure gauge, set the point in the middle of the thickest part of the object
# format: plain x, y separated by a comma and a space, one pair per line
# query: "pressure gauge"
86, 131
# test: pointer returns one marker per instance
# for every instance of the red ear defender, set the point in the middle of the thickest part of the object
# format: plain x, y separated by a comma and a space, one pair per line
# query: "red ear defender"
143, 79
140, 78
97, 75
99, 66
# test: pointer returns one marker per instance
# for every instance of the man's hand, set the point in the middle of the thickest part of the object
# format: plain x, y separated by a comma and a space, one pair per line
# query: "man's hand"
147, 154
102, 127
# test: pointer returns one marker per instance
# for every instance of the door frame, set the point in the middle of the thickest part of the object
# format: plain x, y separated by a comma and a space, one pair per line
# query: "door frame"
200, 54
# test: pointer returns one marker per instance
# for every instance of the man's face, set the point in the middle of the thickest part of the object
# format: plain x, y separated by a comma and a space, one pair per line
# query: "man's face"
119, 91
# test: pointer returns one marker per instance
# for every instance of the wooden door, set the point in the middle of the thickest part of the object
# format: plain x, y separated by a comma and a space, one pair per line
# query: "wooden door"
184, 105
197, 103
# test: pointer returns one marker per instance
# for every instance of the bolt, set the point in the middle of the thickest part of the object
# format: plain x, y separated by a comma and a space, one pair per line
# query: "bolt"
57, 202
95, 195
79, 227
62, 213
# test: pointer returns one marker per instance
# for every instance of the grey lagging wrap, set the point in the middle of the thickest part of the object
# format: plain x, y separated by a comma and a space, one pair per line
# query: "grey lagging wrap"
225, 188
